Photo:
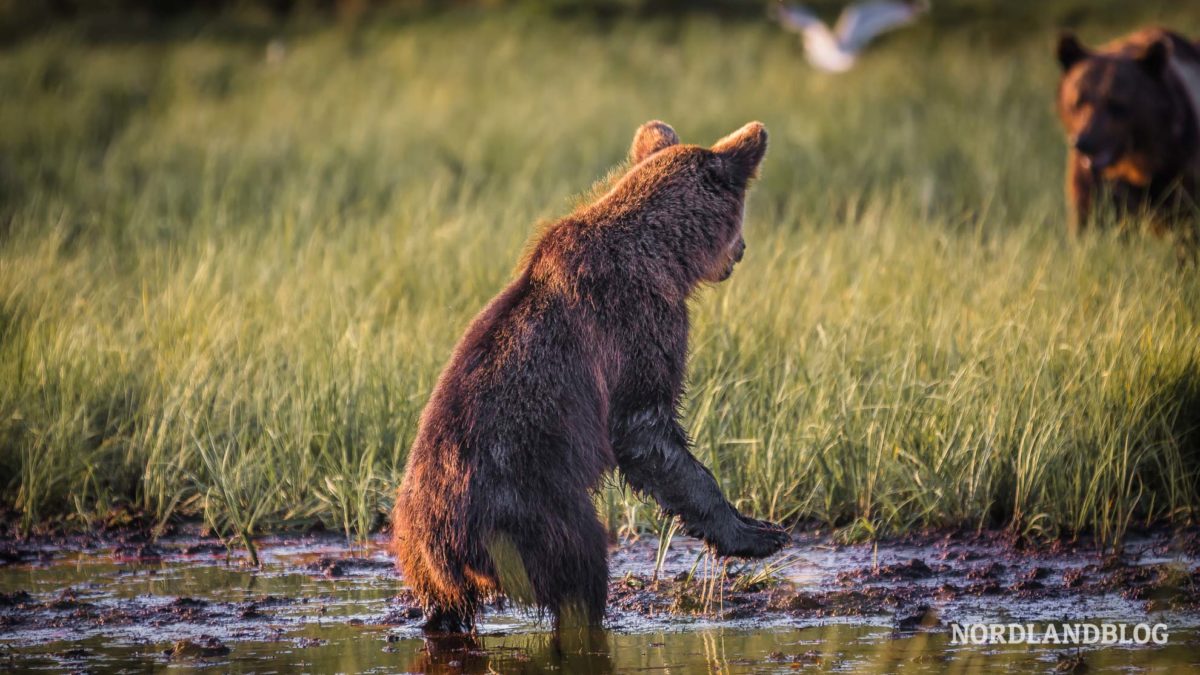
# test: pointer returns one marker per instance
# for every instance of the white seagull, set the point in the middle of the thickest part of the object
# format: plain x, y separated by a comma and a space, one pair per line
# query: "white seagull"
835, 51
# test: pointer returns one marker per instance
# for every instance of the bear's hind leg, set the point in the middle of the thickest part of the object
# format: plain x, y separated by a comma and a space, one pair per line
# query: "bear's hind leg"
575, 590
591, 588
447, 593
552, 554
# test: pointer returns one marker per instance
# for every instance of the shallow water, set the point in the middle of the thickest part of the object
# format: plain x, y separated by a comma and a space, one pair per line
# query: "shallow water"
119, 608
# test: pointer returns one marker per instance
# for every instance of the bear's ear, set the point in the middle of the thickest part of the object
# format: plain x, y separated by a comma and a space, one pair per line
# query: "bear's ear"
650, 138
1154, 59
1070, 50
742, 151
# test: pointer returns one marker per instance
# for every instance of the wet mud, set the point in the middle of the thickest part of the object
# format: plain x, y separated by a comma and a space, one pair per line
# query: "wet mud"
112, 604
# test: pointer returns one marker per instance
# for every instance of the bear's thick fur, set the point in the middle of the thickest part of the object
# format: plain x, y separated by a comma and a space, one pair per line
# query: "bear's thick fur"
1131, 111
574, 370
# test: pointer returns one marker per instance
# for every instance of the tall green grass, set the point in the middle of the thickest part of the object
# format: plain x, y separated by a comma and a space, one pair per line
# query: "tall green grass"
228, 281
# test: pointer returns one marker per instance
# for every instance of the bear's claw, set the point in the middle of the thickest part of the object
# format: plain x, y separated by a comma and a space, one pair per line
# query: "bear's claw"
752, 538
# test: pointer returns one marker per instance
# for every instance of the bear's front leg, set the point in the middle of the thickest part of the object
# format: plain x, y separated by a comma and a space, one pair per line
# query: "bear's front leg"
652, 453
1080, 192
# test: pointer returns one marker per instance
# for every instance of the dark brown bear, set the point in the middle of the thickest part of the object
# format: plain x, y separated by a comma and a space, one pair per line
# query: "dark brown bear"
574, 370
1130, 109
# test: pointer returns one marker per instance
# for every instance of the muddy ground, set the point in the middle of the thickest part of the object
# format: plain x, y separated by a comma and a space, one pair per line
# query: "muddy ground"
124, 602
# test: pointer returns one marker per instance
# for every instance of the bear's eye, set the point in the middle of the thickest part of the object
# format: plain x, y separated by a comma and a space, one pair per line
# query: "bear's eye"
1117, 108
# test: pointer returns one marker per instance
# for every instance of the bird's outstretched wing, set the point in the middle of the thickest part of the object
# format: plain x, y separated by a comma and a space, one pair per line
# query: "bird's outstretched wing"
795, 18
821, 47
864, 21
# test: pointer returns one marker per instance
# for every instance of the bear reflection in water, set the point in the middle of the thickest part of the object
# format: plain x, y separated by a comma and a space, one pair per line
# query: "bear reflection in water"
582, 650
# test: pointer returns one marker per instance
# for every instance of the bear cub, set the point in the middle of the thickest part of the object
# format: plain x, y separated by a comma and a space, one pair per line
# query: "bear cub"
576, 369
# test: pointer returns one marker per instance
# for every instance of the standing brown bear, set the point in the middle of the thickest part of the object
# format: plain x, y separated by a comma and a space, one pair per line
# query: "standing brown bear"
1131, 110
574, 370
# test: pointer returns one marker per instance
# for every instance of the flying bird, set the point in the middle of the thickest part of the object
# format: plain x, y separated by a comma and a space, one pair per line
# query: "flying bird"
835, 51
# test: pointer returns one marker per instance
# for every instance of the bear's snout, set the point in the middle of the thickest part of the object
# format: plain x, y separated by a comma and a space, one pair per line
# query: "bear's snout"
1098, 152
739, 250
733, 256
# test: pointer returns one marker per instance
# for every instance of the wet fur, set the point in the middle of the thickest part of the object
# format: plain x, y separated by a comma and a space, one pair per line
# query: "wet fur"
575, 370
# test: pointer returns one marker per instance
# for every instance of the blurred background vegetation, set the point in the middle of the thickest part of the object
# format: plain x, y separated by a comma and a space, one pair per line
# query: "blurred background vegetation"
238, 241
165, 17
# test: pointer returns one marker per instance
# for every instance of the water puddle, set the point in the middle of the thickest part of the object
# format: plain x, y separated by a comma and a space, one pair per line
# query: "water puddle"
319, 605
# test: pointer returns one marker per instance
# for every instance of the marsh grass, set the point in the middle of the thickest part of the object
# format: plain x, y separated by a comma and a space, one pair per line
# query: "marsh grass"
701, 591
667, 529
765, 574
228, 282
